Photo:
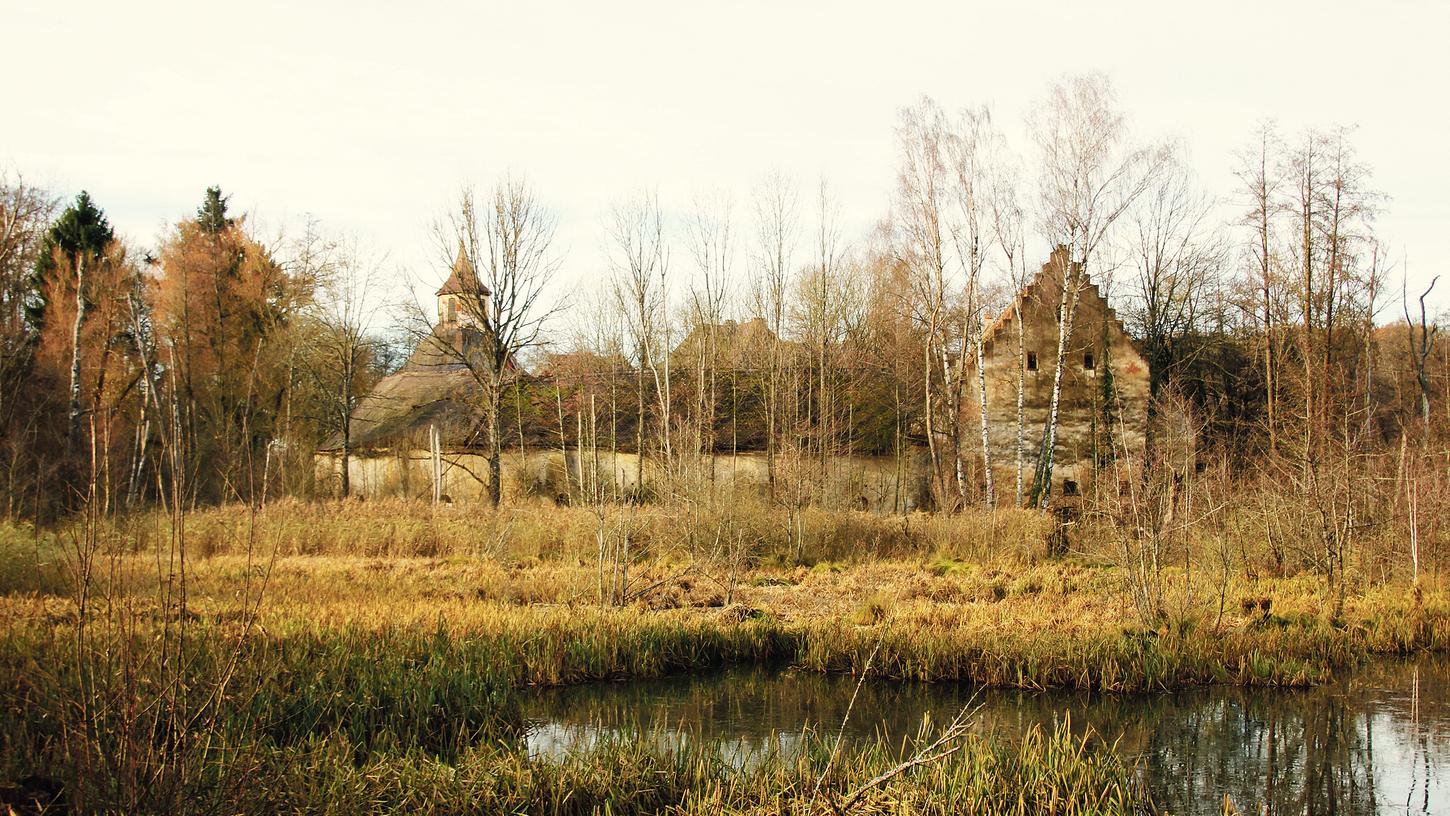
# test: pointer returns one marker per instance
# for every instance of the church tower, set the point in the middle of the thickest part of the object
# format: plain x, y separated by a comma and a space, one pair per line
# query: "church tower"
463, 299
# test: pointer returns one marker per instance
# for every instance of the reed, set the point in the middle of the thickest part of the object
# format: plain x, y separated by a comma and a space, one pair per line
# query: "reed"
375, 661
395, 528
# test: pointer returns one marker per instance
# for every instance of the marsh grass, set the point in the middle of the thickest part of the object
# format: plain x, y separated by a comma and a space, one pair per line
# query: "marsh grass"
31, 561
348, 722
630, 773
538, 530
381, 669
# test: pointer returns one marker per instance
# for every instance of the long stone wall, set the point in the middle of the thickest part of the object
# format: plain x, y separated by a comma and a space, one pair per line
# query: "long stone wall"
877, 483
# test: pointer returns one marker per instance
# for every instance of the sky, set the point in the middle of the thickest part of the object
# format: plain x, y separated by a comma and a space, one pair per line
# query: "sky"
371, 116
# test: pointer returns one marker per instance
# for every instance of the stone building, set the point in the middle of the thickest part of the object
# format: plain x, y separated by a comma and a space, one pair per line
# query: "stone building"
1099, 348
421, 426
393, 427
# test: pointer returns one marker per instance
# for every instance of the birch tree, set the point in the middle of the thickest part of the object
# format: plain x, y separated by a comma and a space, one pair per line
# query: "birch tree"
970, 152
921, 215
826, 306
1089, 174
639, 260
776, 203
1007, 217
711, 240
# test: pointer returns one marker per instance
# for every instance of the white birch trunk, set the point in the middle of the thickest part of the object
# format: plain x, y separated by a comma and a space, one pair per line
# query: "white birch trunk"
1066, 312
986, 438
1021, 402
74, 418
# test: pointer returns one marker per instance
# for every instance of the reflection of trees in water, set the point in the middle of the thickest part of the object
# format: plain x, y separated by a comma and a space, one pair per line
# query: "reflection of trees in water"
1343, 748
1300, 752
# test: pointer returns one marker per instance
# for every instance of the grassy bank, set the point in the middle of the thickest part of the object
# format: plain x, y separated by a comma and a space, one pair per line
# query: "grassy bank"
368, 657
1054, 773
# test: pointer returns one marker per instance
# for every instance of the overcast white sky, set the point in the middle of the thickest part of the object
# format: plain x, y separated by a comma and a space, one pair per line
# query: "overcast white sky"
370, 115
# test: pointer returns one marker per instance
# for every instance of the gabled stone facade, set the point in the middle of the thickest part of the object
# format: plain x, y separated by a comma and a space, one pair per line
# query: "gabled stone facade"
1099, 343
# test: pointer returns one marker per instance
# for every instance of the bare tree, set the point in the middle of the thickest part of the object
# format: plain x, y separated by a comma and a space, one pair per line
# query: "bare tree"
1175, 258
970, 152
776, 225
922, 220
503, 259
25, 213
711, 240
1089, 175
828, 310
828, 306
1333, 208
1305, 166
1422, 343
639, 259
1260, 179
1008, 223
345, 309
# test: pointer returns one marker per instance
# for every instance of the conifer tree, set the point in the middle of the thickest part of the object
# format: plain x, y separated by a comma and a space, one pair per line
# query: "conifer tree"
82, 230
211, 216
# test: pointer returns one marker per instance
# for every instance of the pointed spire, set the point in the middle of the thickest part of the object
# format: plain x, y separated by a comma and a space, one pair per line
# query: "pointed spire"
463, 280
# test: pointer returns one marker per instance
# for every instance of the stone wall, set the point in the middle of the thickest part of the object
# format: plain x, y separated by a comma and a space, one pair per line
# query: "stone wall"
878, 483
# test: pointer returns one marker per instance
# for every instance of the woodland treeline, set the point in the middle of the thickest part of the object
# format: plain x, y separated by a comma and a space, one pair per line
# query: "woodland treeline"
1280, 337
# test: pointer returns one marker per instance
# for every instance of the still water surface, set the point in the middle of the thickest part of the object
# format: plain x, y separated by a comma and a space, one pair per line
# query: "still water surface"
1377, 741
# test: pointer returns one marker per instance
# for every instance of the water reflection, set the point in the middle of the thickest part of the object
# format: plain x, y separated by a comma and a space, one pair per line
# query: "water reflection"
1376, 742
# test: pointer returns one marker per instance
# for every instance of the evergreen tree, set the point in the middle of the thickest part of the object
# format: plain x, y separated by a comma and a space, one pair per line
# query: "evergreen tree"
211, 216
222, 305
81, 230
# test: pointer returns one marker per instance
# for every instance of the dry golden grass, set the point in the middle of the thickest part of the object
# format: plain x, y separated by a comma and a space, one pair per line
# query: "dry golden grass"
965, 596
346, 638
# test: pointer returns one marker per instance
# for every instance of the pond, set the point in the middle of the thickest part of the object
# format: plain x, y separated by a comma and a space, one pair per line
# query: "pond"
1376, 741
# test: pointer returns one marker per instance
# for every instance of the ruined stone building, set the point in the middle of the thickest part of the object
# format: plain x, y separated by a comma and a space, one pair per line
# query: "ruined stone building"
1099, 348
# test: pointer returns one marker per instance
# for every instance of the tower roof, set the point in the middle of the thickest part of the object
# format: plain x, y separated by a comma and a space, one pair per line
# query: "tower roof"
463, 280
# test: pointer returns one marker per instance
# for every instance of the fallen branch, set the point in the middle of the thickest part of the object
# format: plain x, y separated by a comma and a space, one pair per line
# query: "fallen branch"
840, 735
935, 752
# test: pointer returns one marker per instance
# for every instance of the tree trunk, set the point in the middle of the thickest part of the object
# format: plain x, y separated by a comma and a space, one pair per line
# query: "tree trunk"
1271, 402
74, 416
639, 426
927, 407
346, 456
347, 431
954, 390
991, 493
1066, 313
772, 400
495, 443
1021, 401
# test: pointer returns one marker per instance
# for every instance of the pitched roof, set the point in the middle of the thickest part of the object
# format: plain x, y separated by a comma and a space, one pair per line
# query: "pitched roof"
737, 345
463, 280
437, 385
434, 387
